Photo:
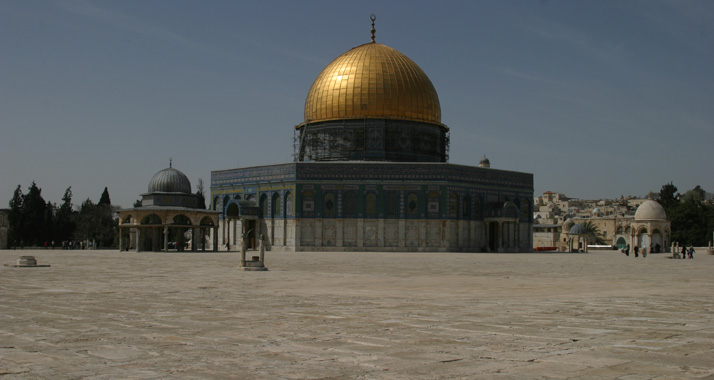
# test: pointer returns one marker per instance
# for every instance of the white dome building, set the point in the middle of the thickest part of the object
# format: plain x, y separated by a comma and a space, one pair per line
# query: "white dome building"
650, 227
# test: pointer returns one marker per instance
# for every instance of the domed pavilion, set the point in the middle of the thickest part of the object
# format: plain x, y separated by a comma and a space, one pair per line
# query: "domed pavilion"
170, 217
650, 228
371, 172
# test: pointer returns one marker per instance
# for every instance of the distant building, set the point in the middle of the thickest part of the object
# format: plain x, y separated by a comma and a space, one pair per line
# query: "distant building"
634, 222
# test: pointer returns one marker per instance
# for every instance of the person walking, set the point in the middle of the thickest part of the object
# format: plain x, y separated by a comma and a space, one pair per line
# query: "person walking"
637, 251
627, 250
691, 252
684, 252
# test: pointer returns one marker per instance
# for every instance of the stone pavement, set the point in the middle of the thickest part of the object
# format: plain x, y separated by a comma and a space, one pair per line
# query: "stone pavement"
120, 315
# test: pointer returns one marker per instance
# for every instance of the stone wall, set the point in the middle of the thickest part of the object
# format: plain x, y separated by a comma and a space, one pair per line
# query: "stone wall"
317, 234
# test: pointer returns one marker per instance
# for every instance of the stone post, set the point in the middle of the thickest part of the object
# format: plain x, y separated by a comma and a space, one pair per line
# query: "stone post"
262, 249
244, 243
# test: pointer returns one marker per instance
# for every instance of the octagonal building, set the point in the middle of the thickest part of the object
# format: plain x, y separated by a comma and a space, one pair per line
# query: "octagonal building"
371, 172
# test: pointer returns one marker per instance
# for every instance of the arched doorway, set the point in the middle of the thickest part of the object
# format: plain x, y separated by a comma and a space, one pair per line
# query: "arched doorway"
180, 233
657, 240
621, 242
150, 238
643, 240
493, 236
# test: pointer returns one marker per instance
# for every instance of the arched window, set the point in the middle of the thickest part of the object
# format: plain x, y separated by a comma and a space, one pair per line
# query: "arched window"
276, 212
370, 205
264, 205
329, 206
349, 204
510, 210
412, 205
151, 219
391, 204
289, 204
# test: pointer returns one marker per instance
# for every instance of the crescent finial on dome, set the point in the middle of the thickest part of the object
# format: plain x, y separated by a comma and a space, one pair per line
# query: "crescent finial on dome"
372, 17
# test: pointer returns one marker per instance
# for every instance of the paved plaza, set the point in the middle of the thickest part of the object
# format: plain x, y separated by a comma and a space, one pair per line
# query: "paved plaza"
126, 315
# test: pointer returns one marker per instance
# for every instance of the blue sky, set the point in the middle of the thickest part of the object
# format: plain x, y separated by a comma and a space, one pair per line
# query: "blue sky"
596, 98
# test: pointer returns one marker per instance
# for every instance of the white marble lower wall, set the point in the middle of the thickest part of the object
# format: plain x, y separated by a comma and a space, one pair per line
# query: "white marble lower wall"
378, 235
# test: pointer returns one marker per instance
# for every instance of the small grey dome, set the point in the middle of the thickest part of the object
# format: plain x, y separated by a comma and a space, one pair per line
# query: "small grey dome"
484, 163
170, 180
578, 229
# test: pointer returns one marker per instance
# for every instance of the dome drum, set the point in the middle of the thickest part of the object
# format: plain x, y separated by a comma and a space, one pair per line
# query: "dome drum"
373, 140
171, 188
169, 200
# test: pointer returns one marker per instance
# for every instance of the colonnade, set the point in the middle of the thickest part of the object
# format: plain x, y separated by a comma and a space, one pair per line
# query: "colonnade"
156, 237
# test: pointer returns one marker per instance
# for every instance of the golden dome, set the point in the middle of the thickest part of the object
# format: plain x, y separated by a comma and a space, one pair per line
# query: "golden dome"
372, 81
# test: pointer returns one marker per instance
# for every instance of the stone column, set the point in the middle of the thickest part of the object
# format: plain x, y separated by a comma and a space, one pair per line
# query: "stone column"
262, 250
138, 240
242, 251
214, 230
121, 239
166, 239
227, 225
194, 241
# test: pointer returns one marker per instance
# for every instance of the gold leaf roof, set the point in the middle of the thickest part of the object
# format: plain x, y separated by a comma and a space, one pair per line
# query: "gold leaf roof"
372, 81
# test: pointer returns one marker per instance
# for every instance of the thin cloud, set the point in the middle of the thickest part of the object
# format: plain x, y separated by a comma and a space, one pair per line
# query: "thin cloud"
129, 23
692, 24
535, 78
610, 53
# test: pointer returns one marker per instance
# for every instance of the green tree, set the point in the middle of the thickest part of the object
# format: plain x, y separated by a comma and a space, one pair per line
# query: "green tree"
15, 218
691, 216
594, 233
86, 221
668, 196
696, 194
201, 194
65, 218
104, 199
34, 207
95, 222
50, 225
